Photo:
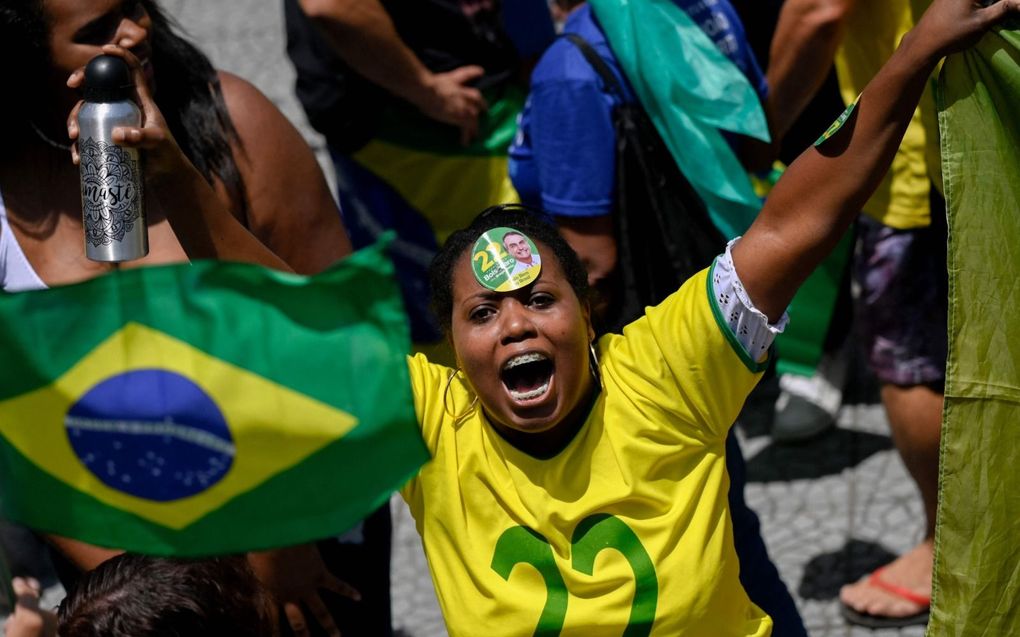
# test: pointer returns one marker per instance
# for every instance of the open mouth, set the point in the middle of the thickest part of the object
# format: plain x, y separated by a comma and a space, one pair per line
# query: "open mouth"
527, 377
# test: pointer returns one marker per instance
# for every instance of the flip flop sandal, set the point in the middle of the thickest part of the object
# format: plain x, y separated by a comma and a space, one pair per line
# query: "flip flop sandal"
880, 621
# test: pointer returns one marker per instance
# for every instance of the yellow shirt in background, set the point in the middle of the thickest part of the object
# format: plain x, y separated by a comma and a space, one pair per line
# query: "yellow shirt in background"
629, 525
874, 30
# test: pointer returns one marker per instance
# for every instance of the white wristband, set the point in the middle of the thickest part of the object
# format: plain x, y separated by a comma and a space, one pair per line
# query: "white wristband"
748, 324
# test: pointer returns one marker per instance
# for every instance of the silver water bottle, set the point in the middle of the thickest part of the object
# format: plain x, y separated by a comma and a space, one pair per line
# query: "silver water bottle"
111, 177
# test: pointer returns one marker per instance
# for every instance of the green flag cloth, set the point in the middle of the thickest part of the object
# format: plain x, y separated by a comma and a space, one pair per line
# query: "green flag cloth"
436, 177
206, 408
800, 345
691, 91
976, 582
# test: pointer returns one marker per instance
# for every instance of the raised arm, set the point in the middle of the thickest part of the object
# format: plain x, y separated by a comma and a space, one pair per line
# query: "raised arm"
803, 48
822, 192
175, 188
363, 35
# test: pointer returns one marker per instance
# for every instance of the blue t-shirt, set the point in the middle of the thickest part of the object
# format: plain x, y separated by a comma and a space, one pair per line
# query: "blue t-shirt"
720, 22
563, 159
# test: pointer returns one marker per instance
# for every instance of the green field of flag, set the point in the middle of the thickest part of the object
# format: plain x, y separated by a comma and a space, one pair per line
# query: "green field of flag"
976, 581
206, 408
691, 101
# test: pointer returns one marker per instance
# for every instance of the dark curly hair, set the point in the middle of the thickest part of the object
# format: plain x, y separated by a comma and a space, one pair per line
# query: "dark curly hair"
188, 94
139, 596
531, 222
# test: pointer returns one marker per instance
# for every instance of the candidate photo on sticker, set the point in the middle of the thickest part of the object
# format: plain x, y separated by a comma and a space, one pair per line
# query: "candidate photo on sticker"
523, 251
506, 259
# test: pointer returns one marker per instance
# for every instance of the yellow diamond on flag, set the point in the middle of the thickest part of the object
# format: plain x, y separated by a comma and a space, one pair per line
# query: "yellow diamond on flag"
231, 431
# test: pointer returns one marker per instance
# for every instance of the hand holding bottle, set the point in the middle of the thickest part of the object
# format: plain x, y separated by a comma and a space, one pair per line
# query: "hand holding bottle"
112, 197
152, 134
174, 188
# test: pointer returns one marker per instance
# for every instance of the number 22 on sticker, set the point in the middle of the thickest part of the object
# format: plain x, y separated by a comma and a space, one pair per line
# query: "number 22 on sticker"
495, 250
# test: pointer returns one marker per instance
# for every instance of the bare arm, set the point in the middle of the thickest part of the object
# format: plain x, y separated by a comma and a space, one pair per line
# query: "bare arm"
363, 35
803, 47
85, 556
291, 209
822, 192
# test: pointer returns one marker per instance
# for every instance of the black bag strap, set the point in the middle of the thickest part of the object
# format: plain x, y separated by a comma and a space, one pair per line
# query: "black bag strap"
597, 63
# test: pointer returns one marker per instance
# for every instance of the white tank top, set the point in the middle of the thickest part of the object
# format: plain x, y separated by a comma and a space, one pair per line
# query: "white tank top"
16, 273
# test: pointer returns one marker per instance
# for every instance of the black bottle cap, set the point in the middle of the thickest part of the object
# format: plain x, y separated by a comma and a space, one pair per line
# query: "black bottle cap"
107, 79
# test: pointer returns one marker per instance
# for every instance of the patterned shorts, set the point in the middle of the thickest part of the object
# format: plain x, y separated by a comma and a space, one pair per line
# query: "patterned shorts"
903, 300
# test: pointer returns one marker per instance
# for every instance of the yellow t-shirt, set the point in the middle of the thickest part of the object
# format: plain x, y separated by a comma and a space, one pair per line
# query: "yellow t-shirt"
873, 31
629, 525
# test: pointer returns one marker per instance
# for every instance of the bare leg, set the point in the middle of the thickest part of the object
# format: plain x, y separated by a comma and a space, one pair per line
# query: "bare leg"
915, 416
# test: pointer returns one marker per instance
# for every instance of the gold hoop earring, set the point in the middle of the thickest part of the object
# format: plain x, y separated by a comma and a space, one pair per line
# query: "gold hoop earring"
593, 363
446, 407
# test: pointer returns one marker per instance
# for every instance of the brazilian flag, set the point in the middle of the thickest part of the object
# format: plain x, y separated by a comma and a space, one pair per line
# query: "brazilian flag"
436, 176
416, 177
691, 100
206, 408
976, 581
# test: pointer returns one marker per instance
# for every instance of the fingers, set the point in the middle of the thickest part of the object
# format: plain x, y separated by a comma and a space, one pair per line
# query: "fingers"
466, 74
76, 78
468, 132
72, 122
470, 108
296, 619
74, 81
25, 588
322, 616
340, 587
996, 12
134, 137
137, 75
474, 97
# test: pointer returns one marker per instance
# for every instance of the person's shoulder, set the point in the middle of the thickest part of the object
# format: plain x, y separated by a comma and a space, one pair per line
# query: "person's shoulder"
268, 138
562, 63
245, 102
563, 60
564, 66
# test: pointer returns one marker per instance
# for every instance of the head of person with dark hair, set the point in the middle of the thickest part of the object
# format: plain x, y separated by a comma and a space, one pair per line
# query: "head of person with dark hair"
140, 596
43, 41
528, 220
525, 351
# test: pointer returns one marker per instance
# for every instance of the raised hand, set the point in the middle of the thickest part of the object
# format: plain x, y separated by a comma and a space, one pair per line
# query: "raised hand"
949, 26
163, 156
174, 187
294, 576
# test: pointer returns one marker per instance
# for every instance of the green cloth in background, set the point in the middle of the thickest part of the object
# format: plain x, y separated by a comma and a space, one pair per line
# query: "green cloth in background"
691, 91
800, 346
977, 580
206, 408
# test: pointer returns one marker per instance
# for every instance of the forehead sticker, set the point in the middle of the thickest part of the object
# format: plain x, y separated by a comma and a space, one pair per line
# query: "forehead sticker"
505, 259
